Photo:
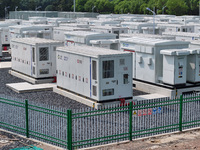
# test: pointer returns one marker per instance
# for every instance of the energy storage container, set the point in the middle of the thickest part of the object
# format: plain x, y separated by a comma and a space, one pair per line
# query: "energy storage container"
147, 60
174, 66
57, 21
84, 37
110, 29
40, 31
38, 20
4, 33
59, 32
193, 65
96, 73
34, 57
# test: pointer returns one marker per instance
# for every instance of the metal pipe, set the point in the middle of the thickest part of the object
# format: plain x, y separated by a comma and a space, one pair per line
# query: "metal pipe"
163, 9
154, 14
74, 5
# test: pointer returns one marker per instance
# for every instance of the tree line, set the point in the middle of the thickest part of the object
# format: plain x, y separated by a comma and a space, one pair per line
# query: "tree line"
172, 7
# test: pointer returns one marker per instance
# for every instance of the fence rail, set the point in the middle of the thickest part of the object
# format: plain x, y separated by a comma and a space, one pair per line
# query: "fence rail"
88, 127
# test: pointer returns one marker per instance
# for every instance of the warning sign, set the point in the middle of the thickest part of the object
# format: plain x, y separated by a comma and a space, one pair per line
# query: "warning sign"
150, 111
139, 112
144, 112
134, 113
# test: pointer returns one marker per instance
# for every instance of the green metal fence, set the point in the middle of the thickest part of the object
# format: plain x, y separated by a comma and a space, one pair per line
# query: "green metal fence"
88, 127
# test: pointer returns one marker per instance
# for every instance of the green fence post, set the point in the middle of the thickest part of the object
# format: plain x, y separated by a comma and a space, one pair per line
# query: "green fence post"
69, 129
130, 120
26, 111
181, 113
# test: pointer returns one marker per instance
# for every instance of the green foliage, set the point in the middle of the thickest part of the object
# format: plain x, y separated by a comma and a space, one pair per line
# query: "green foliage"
177, 7
173, 7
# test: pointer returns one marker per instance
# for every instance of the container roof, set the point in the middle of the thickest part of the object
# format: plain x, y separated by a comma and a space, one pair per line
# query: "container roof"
34, 41
107, 27
31, 26
87, 33
152, 42
90, 51
66, 28
175, 52
187, 34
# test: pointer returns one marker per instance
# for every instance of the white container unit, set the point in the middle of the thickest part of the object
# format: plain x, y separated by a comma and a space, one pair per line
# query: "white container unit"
38, 20
97, 73
193, 65
147, 60
136, 27
34, 57
5, 36
183, 36
74, 25
152, 36
59, 32
40, 31
177, 27
84, 37
174, 66
57, 21
110, 29
108, 43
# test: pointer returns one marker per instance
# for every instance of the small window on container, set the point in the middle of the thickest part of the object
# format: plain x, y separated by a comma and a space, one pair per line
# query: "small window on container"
108, 92
125, 78
122, 62
43, 54
108, 69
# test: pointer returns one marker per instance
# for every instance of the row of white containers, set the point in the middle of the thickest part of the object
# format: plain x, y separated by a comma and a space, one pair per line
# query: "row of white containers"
96, 73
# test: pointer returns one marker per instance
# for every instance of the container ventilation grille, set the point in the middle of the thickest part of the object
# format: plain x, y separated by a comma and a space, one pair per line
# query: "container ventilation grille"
44, 71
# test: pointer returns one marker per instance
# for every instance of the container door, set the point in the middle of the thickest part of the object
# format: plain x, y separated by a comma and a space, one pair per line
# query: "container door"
44, 62
94, 79
109, 81
124, 75
33, 61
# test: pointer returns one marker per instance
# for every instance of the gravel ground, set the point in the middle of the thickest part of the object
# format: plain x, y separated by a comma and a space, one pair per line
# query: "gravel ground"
43, 97
40, 98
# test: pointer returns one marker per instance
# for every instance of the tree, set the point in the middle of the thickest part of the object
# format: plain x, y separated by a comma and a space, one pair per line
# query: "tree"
104, 6
49, 8
177, 7
89, 4
123, 7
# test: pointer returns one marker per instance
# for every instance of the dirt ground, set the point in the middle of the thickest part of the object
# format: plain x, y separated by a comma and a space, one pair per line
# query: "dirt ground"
187, 140
10, 141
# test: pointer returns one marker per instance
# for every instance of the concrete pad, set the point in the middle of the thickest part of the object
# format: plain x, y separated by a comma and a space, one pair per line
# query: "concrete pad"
5, 64
150, 88
77, 98
148, 97
97, 105
156, 89
30, 79
27, 87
